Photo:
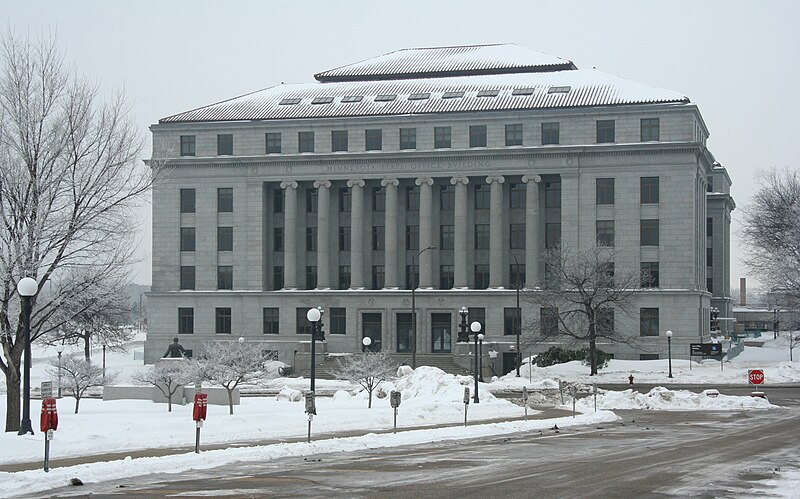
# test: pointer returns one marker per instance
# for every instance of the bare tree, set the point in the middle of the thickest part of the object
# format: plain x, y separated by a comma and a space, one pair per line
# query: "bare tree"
168, 377
230, 364
79, 375
583, 293
69, 177
368, 369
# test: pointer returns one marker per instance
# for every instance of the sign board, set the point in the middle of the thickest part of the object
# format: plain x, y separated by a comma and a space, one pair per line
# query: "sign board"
705, 349
755, 376
47, 389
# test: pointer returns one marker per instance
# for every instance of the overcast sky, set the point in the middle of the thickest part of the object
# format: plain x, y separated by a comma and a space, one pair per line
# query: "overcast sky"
737, 60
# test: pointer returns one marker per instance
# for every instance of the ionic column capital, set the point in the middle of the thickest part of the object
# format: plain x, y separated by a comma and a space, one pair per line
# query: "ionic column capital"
459, 180
322, 183
424, 180
495, 178
531, 177
355, 182
390, 181
288, 183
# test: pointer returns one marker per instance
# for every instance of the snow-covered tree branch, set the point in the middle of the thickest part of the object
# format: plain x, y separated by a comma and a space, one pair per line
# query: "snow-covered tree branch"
368, 369
168, 377
79, 375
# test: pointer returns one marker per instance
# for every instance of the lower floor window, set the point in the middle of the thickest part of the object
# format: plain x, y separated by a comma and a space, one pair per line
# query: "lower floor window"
223, 316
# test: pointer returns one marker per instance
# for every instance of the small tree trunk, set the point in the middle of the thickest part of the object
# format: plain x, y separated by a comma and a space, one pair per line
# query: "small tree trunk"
369, 404
230, 399
77, 403
12, 404
87, 351
169, 402
593, 354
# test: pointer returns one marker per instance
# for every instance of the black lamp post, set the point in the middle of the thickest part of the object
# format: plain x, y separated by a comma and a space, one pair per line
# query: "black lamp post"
59, 349
463, 337
414, 272
104, 360
26, 287
480, 357
669, 351
314, 316
518, 318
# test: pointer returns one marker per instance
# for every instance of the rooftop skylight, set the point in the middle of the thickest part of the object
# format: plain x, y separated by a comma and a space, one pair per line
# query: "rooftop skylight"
322, 100
559, 90
289, 101
523, 91
419, 96
353, 98
453, 95
385, 97
488, 93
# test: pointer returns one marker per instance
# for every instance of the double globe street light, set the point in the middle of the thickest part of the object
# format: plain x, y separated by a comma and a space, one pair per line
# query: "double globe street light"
463, 336
314, 316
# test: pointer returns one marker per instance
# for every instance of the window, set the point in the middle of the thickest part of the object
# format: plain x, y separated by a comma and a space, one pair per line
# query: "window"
373, 139
412, 276
605, 191
378, 199
290, 101
709, 227
488, 93
648, 356
709, 284
344, 238
344, 276
482, 197
337, 321
408, 138
514, 135
648, 232
477, 136
604, 324
378, 238
311, 239
187, 145
187, 200
311, 276
303, 326
273, 143
321, 100
605, 131
271, 320
344, 200
277, 200
477, 314
420, 96
223, 316
605, 275
649, 277
552, 194
548, 321
224, 144
385, 97
185, 321
511, 321
352, 98
311, 200
648, 322
225, 199
187, 238
412, 237
481, 236
441, 137
224, 238
338, 140
552, 235
446, 237
517, 197
605, 233
650, 129
447, 197
648, 189
187, 277
305, 141
550, 133
453, 95
277, 277
517, 236
559, 90
481, 276
446, 276
404, 328
277, 239
709, 257
517, 275
412, 199
378, 276
225, 277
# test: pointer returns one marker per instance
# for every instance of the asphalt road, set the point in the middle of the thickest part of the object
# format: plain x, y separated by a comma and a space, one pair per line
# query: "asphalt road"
647, 454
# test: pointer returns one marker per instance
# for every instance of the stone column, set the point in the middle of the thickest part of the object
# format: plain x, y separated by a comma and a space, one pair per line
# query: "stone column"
289, 234
392, 249
425, 231
496, 231
323, 233
532, 229
356, 233
460, 233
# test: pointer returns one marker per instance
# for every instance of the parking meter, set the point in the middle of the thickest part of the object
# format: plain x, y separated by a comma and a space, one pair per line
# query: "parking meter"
48, 423
199, 412
394, 399
466, 403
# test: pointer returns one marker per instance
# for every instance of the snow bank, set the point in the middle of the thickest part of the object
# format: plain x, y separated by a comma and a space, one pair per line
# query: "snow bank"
663, 399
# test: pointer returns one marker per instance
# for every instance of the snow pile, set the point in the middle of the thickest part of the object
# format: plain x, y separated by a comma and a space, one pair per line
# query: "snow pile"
289, 394
431, 383
341, 395
663, 399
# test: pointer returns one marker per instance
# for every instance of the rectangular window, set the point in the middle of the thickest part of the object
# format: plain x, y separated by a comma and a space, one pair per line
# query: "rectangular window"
446, 276
187, 145
225, 144
550, 133
482, 197
605, 233
187, 277
344, 238
223, 320
305, 141
605, 191
648, 232
224, 199
187, 200
378, 199
446, 237
516, 237
605, 275
311, 200
225, 277
412, 199
277, 277
337, 322
552, 194
344, 276
650, 129
277, 200
517, 275
311, 239
345, 199
552, 235
338, 140
441, 137
272, 320
408, 138
311, 276
303, 326
481, 276
378, 238
605, 131
378, 276
514, 135
447, 197
648, 356
477, 136
277, 239
709, 284
481, 236
511, 321
412, 276
604, 325
273, 143
477, 314
517, 197
373, 139
648, 190
548, 321
412, 237
185, 321
648, 322
709, 227
187, 238
405, 329
709, 257
649, 277
224, 238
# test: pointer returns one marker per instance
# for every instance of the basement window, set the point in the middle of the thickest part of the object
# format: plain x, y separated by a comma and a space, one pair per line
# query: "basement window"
322, 100
289, 102
353, 98
453, 95
559, 90
419, 96
523, 91
385, 97
488, 93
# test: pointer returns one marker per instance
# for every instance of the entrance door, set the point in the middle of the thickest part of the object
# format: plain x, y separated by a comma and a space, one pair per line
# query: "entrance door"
440, 333
371, 328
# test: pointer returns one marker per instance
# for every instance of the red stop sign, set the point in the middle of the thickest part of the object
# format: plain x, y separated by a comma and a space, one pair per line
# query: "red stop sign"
755, 376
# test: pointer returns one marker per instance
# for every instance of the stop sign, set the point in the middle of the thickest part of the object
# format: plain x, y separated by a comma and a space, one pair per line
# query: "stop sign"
755, 376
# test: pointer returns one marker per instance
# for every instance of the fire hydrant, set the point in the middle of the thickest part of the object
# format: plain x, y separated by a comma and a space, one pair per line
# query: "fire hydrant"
630, 379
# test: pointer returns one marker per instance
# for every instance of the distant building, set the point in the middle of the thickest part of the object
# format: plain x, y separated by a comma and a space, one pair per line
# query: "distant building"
330, 194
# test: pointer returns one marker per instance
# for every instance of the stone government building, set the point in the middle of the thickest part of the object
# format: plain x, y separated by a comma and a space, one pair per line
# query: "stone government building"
452, 168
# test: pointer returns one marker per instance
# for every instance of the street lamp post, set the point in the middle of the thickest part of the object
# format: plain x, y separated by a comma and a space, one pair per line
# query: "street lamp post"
314, 316
669, 351
518, 318
714, 315
414, 272
480, 357
104, 360
26, 287
475, 327
59, 349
